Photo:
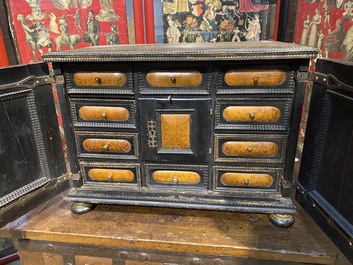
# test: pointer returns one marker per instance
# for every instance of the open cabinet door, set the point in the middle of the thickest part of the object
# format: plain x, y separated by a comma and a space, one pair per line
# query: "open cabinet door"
32, 163
325, 183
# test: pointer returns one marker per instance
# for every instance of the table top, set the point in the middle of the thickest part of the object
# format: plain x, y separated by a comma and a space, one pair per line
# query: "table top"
177, 230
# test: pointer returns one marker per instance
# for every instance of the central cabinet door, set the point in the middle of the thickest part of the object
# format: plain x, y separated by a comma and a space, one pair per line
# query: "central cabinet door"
175, 129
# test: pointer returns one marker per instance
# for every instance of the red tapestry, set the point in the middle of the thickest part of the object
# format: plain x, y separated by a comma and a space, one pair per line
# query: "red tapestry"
327, 25
40, 26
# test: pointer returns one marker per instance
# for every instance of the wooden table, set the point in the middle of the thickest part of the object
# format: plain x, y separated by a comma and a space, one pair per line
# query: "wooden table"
52, 234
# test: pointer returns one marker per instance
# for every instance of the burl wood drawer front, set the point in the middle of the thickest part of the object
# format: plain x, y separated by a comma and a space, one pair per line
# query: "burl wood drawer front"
250, 148
233, 178
107, 145
174, 78
252, 113
249, 79
99, 78
103, 113
176, 177
183, 176
255, 77
111, 173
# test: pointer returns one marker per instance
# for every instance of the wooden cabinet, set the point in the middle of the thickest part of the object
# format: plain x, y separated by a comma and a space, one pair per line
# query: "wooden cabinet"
211, 127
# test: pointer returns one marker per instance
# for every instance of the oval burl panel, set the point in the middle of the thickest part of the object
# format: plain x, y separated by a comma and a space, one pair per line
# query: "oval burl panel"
103, 113
99, 79
107, 145
237, 148
251, 114
235, 179
117, 175
174, 78
176, 177
254, 77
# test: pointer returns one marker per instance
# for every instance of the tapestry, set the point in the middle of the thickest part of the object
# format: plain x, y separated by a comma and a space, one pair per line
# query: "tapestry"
327, 25
197, 21
40, 26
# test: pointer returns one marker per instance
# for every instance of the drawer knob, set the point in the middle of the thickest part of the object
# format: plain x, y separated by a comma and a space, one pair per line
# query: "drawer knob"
110, 177
246, 182
106, 147
256, 80
249, 149
104, 115
98, 80
252, 116
173, 79
175, 180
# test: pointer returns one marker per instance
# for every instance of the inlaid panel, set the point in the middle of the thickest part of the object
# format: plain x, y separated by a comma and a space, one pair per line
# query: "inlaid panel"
240, 148
176, 177
107, 145
103, 113
175, 130
240, 179
251, 114
113, 145
110, 174
250, 148
115, 175
174, 78
99, 79
254, 77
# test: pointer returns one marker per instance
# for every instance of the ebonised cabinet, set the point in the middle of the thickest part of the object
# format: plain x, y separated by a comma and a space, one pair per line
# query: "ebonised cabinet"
209, 126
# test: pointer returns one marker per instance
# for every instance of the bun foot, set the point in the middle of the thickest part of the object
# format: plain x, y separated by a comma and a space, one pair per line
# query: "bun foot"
282, 220
82, 207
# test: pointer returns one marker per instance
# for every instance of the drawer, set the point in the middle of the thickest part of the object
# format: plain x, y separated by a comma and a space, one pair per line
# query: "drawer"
112, 174
103, 113
97, 78
240, 178
253, 113
176, 78
247, 79
250, 148
182, 176
107, 145
255, 77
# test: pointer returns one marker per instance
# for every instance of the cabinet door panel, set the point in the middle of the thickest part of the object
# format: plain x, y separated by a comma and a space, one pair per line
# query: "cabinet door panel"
175, 129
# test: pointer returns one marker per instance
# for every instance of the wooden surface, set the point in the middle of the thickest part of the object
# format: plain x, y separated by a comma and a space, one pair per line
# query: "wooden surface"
177, 230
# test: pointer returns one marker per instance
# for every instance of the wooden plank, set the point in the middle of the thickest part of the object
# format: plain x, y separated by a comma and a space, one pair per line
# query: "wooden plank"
178, 230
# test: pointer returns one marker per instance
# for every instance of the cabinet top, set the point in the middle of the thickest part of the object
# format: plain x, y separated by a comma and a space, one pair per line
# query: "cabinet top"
183, 51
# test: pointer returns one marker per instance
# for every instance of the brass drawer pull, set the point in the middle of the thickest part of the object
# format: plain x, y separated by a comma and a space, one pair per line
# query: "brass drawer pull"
256, 80
175, 180
252, 116
173, 79
249, 149
104, 116
98, 80
246, 182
